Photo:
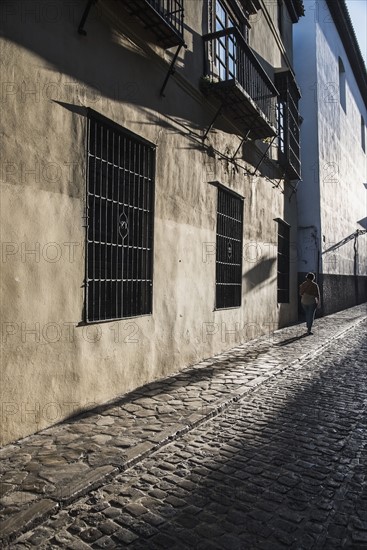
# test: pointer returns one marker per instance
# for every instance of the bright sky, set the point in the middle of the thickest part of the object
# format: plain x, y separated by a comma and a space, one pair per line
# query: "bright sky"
358, 14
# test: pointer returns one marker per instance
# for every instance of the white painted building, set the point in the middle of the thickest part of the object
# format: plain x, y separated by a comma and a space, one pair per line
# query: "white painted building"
332, 198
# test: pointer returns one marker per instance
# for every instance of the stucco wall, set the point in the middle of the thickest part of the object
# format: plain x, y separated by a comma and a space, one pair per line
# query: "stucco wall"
273, 46
341, 157
334, 164
53, 365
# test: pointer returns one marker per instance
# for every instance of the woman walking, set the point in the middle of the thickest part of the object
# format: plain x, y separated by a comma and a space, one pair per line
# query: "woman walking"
310, 299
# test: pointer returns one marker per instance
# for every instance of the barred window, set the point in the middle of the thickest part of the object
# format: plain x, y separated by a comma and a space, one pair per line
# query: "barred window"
283, 261
120, 197
229, 250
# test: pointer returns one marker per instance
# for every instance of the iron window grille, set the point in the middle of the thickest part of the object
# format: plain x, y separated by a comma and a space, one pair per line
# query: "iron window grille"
237, 75
164, 18
283, 267
288, 122
172, 11
120, 198
229, 250
342, 85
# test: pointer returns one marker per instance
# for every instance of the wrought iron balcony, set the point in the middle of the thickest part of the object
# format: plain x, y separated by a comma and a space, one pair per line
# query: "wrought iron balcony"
235, 76
288, 124
164, 18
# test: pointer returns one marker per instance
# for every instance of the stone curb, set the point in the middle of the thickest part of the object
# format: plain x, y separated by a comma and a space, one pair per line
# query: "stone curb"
36, 513
29, 518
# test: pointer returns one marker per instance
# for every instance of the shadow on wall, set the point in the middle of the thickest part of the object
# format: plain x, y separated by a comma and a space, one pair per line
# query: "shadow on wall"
104, 64
260, 273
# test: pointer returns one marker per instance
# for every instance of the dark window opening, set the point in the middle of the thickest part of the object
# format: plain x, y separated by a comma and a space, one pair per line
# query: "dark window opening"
342, 86
120, 198
229, 250
233, 73
283, 268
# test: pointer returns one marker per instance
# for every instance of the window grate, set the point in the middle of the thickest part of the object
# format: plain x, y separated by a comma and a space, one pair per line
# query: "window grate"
283, 262
230, 58
120, 190
225, 46
172, 11
163, 18
229, 250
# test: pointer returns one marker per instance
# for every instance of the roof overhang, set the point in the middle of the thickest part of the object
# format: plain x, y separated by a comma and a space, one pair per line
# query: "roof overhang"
296, 9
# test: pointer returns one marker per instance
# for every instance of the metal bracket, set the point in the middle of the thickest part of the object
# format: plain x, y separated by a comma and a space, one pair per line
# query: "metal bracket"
263, 156
171, 69
85, 16
280, 179
240, 145
212, 122
294, 191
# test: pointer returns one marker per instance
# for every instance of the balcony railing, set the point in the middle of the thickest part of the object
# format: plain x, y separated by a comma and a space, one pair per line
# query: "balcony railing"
289, 122
164, 18
235, 75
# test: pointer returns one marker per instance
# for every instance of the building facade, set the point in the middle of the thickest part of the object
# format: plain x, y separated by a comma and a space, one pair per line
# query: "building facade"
332, 199
150, 154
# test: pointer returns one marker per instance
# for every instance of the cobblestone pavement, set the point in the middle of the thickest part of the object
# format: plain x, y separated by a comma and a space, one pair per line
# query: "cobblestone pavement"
284, 466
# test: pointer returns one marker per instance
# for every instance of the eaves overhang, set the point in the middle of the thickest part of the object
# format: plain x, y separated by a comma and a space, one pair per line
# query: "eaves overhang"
296, 9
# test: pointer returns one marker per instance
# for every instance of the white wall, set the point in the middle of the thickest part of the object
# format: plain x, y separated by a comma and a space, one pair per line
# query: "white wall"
334, 163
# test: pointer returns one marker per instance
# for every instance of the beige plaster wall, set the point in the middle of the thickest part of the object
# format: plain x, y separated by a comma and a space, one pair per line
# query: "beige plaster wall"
53, 365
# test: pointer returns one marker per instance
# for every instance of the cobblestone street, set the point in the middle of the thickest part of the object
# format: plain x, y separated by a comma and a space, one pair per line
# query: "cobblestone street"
280, 463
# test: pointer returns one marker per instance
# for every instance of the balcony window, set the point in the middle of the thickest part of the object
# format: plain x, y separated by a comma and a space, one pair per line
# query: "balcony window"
120, 190
234, 76
225, 47
164, 18
229, 250
288, 122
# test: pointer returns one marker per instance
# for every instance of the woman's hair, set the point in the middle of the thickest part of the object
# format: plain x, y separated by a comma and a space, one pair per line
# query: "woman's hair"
310, 276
